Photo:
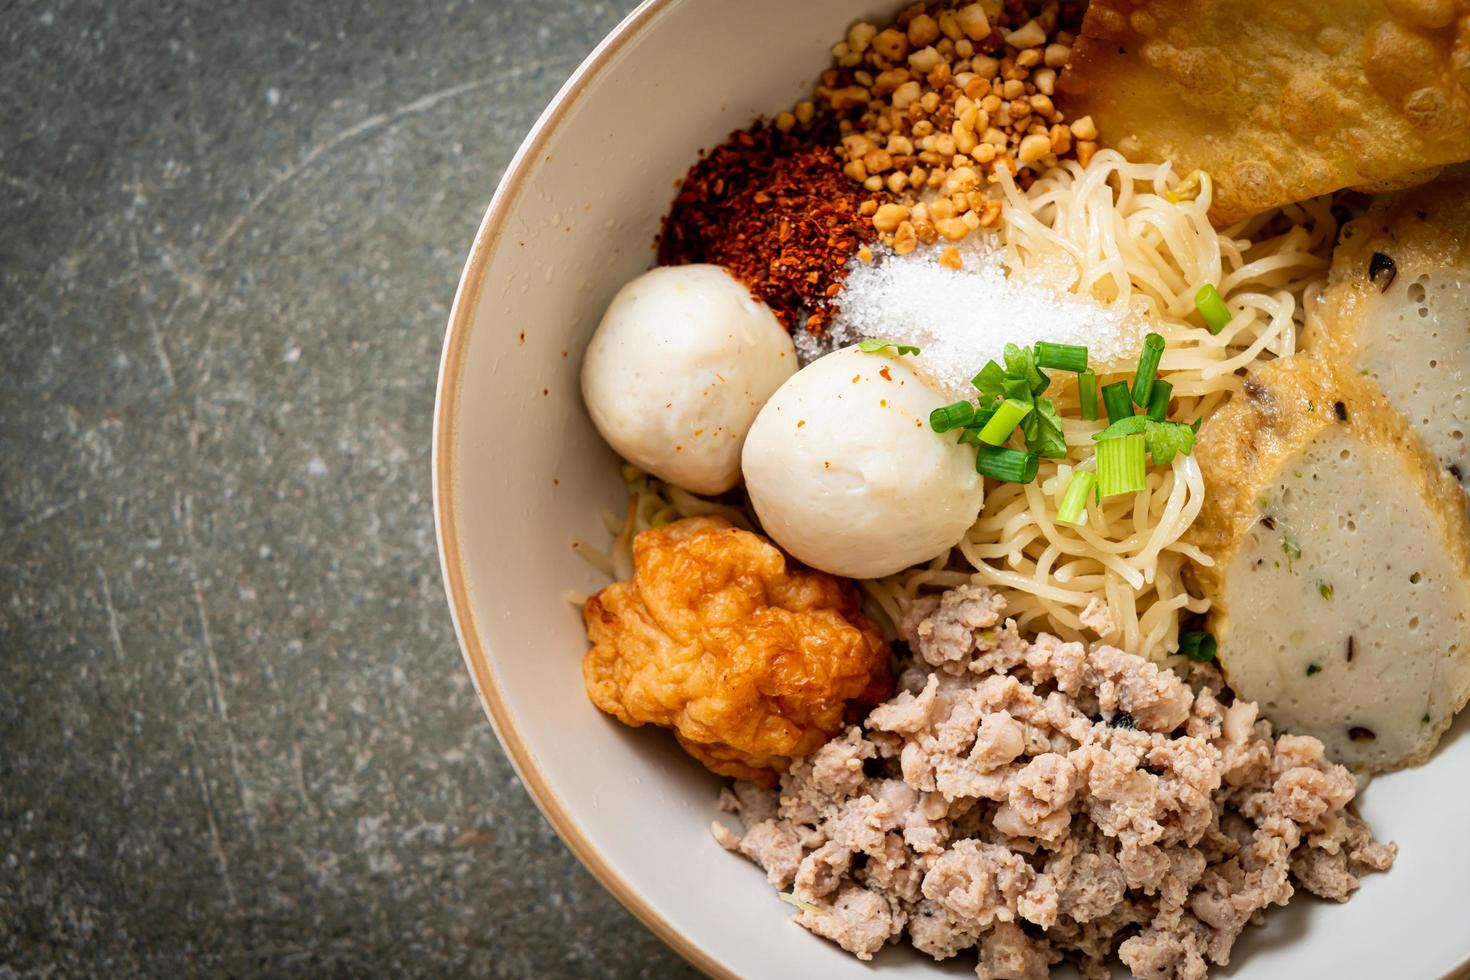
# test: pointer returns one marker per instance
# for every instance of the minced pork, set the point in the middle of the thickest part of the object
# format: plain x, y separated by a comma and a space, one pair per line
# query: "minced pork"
1043, 801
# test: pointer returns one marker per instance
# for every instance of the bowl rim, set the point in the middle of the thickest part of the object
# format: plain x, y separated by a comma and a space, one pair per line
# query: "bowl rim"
446, 496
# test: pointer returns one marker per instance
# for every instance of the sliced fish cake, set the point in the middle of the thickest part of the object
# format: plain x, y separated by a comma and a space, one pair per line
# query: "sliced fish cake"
1341, 590
1397, 310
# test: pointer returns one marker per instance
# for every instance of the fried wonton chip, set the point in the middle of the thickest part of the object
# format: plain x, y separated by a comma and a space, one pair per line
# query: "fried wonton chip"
1278, 100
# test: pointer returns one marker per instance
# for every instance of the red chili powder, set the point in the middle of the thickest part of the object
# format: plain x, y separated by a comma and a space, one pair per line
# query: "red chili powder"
777, 211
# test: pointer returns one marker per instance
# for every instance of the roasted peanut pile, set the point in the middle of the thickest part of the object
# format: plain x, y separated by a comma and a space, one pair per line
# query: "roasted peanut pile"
934, 105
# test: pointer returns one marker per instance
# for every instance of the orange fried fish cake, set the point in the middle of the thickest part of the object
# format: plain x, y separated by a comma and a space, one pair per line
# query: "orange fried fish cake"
750, 661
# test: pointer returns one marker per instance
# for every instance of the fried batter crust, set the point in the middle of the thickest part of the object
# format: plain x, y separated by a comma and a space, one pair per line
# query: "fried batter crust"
1278, 100
750, 661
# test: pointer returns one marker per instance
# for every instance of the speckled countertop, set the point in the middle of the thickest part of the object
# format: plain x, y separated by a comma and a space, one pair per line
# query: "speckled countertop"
235, 733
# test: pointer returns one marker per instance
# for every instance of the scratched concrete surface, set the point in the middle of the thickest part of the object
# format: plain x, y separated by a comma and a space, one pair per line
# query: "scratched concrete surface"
235, 734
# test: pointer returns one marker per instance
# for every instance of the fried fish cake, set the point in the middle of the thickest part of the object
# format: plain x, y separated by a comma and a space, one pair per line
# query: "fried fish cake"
750, 661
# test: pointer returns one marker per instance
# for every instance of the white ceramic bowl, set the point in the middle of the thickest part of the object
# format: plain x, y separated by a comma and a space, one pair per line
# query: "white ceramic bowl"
519, 472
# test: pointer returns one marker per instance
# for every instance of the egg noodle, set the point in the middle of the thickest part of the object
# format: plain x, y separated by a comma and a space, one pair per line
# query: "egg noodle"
1133, 237
651, 503
1137, 238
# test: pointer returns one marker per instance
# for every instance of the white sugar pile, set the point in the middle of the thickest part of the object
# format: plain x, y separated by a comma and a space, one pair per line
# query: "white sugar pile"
965, 317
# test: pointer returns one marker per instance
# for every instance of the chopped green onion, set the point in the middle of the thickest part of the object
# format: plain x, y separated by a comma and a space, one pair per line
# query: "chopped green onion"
1074, 501
990, 378
1212, 308
1006, 465
1124, 427
955, 416
1164, 440
1148, 367
1018, 389
1004, 422
1198, 646
1061, 357
1167, 440
1043, 430
971, 435
1115, 399
1021, 363
1158, 400
1121, 466
1087, 393
876, 345
1324, 589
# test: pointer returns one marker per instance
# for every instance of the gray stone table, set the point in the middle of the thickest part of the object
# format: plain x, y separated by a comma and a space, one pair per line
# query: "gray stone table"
236, 737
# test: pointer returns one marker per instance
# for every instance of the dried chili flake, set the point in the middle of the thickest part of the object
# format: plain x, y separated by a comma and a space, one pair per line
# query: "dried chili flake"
777, 211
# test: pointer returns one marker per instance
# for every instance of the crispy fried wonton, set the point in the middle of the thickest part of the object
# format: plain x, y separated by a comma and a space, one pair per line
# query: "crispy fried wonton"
1278, 100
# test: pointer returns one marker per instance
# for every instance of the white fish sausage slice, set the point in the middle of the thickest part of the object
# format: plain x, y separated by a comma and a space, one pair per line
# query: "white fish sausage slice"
1341, 594
1397, 310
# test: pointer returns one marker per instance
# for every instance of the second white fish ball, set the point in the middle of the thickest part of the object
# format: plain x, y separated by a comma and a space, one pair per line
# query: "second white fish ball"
846, 474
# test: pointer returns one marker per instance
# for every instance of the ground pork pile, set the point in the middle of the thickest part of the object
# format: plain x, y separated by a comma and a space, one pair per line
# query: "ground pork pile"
1043, 801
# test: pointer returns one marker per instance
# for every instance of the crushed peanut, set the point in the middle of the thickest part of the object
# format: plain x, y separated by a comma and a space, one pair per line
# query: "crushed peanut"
934, 105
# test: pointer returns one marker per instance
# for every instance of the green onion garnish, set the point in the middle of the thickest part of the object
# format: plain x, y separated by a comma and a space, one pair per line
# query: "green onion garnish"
990, 379
1021, 363
1148, 367
1087, 394
1043, 430
1212, 308
1004, 422
1164, 440
971, 434
1158, 400
1017, 388
1115, 399
877, 345
1198, 646
1074, 501
1121, 466
955, 416
1061, 357
1006, 465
